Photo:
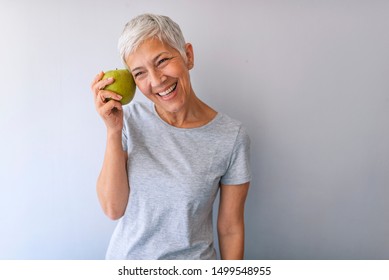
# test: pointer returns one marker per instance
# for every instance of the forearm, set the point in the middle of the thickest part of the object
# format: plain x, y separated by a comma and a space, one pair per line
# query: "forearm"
230, 222
112, 184
231, 243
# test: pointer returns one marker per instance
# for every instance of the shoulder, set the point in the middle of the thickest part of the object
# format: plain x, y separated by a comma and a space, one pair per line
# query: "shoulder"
137, 109
136, 116
227, 120
231, 126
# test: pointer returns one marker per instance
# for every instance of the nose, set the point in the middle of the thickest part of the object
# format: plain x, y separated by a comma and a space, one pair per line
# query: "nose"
157, 78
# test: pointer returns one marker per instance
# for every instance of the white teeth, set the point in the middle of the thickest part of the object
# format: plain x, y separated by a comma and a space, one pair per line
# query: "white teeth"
169, 90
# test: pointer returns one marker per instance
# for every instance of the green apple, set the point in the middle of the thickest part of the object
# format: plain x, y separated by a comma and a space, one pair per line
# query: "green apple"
123, 85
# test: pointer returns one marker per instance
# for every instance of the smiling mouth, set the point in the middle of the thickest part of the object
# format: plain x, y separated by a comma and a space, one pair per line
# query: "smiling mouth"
168, 91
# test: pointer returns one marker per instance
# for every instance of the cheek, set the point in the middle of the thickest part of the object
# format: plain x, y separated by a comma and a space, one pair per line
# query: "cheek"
142, 86
185, 80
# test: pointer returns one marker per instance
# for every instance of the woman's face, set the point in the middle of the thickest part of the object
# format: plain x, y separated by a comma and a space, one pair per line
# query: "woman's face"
162, 75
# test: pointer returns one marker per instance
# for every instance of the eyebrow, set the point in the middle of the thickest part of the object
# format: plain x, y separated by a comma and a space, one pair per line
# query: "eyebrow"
154, 60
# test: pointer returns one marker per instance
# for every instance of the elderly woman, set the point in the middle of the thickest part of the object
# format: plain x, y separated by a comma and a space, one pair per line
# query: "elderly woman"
166, 160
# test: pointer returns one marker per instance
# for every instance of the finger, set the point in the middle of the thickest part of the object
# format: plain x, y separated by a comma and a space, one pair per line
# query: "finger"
95, 84
97, 79
103, 83
100, 85
104, 96
110, 107
115, 105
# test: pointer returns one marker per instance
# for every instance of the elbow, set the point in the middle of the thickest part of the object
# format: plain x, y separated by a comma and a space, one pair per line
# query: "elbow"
228, 229
113, 214
113, 211
113, 205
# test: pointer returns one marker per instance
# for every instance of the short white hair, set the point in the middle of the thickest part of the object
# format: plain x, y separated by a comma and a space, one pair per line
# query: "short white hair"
147, 26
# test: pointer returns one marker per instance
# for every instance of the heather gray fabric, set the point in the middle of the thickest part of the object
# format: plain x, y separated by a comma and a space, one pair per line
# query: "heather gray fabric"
174, 177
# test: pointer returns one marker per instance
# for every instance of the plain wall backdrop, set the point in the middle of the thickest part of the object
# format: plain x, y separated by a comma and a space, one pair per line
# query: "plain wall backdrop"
309, 79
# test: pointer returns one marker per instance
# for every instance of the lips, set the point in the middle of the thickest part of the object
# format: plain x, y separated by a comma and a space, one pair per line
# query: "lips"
167, 92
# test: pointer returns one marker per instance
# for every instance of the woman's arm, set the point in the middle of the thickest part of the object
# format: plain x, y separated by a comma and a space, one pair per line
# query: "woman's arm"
230, 223
112, 184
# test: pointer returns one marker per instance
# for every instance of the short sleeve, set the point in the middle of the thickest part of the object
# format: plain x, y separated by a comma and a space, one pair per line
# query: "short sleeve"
125, 135
124, 139
238, 171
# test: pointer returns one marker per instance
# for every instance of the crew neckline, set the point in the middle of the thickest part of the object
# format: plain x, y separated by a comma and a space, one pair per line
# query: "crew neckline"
217, 116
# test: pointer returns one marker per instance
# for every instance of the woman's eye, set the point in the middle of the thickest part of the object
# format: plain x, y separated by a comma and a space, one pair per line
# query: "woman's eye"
162, 60
137, 74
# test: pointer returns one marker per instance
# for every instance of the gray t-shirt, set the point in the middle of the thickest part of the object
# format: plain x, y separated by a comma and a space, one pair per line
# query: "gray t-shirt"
174, 176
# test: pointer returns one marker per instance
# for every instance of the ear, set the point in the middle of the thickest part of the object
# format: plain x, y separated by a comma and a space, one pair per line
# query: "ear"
189, 55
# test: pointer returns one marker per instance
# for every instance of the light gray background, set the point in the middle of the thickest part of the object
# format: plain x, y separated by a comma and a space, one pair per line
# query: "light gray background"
309, 79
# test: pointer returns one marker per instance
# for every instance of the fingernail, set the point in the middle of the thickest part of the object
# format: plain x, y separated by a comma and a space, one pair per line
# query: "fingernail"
110, 79
119, 97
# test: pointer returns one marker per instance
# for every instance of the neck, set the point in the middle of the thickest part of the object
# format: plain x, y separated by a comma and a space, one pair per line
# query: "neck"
194, 114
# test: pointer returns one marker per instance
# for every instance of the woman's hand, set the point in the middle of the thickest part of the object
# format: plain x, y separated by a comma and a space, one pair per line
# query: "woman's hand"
107, 103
